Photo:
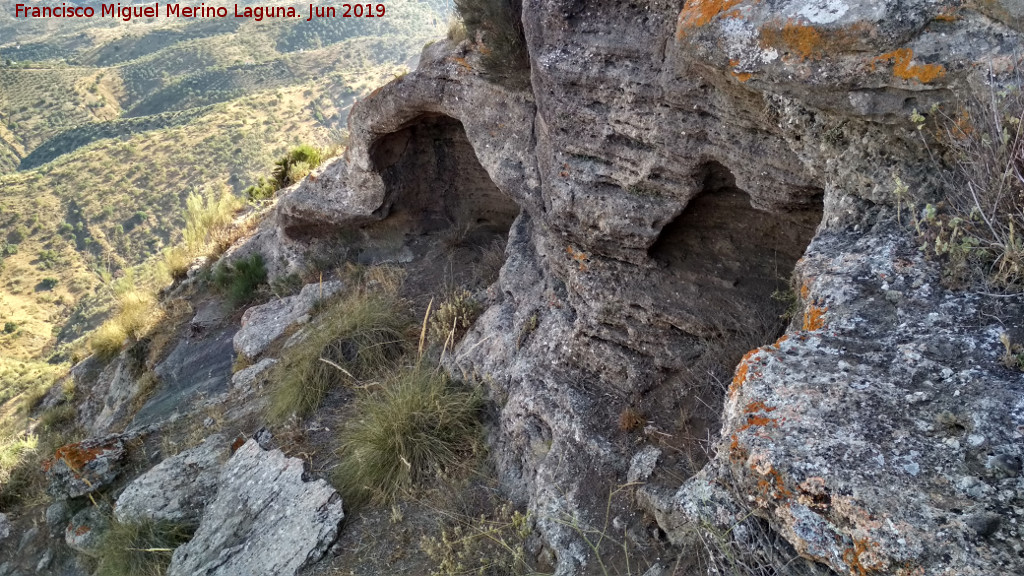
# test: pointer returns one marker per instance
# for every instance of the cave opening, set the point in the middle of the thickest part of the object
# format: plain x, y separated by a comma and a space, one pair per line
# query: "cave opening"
724, 283
441, 205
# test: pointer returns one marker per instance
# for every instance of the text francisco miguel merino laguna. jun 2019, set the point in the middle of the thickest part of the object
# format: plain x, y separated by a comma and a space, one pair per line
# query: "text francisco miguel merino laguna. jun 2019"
157, 10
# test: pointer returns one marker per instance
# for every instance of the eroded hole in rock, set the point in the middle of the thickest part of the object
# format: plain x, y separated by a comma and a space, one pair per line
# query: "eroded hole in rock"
725, 281
440, 204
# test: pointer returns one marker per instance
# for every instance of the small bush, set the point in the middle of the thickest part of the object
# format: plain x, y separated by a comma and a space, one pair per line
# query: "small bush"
10, 327
291, 165
505, 55
358, 336
139, 548
261, 190
48, 283
240, 279
453, 317
415, 423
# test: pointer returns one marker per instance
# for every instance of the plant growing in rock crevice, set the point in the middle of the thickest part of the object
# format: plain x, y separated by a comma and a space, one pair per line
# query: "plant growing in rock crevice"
142, 548
500, 24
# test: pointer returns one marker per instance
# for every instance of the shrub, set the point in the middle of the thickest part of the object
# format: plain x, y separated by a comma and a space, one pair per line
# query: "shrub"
261, 190
505, 56
978, 227
240, 279
48, 283
416, 422
359, 335
141, 548
453, 317
10, 327
304, 154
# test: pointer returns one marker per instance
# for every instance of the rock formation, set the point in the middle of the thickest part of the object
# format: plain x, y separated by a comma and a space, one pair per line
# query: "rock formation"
671, 168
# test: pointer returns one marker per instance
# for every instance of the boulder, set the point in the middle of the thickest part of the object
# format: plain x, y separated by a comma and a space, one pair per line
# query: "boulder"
177, 489
84, 467
85, 531
246, 377
263, 324
265, 520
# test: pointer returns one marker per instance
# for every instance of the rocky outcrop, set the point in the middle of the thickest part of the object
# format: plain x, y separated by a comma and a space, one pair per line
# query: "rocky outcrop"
84, 533
671, 166
265, 519
84, 467
263, 324
177, 489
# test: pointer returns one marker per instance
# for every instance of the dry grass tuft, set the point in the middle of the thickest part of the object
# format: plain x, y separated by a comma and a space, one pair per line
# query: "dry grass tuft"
415, 423
358, 335
139, 548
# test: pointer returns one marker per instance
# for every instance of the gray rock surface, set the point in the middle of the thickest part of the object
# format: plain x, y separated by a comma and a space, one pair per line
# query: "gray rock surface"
263, 324
85, 531
84, 467
265, 519
177, 489
246, 377
5, 526
198, 368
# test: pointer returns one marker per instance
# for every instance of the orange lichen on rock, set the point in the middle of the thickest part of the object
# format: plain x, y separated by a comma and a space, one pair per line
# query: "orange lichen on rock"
814, 317
903, 67
741, 372
699, 13
794, 37
580, 257
758, 407
462, 62
863, 559
772, 486
78, 455
948, 14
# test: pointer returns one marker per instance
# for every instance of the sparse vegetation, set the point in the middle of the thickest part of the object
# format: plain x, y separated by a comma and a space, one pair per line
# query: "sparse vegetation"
414, 423
451, 320
357, 336
494, 544
504, 54
977, 229
135, 311
240, 279
141, 548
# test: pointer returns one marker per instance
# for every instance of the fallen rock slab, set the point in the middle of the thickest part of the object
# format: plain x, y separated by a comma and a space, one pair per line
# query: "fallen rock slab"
177, 489
265, 519
263, 324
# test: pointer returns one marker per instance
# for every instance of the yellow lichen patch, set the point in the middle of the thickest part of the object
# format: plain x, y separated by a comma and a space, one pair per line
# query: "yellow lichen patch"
814, 317
699, 13
903, 66
794, 37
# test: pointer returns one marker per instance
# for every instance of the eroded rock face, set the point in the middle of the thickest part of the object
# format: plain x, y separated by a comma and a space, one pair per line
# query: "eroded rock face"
671, 164
265, 519
177, 489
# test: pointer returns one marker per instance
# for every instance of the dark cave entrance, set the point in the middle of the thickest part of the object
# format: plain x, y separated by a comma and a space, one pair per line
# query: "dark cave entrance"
442, 203
724, 285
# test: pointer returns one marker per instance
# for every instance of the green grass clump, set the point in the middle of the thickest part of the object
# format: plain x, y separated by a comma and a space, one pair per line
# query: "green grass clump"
415, 423
296, 164
358, 336
141, 548
239, 280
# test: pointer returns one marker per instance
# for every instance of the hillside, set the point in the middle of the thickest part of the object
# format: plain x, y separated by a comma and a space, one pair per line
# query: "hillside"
106, 128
